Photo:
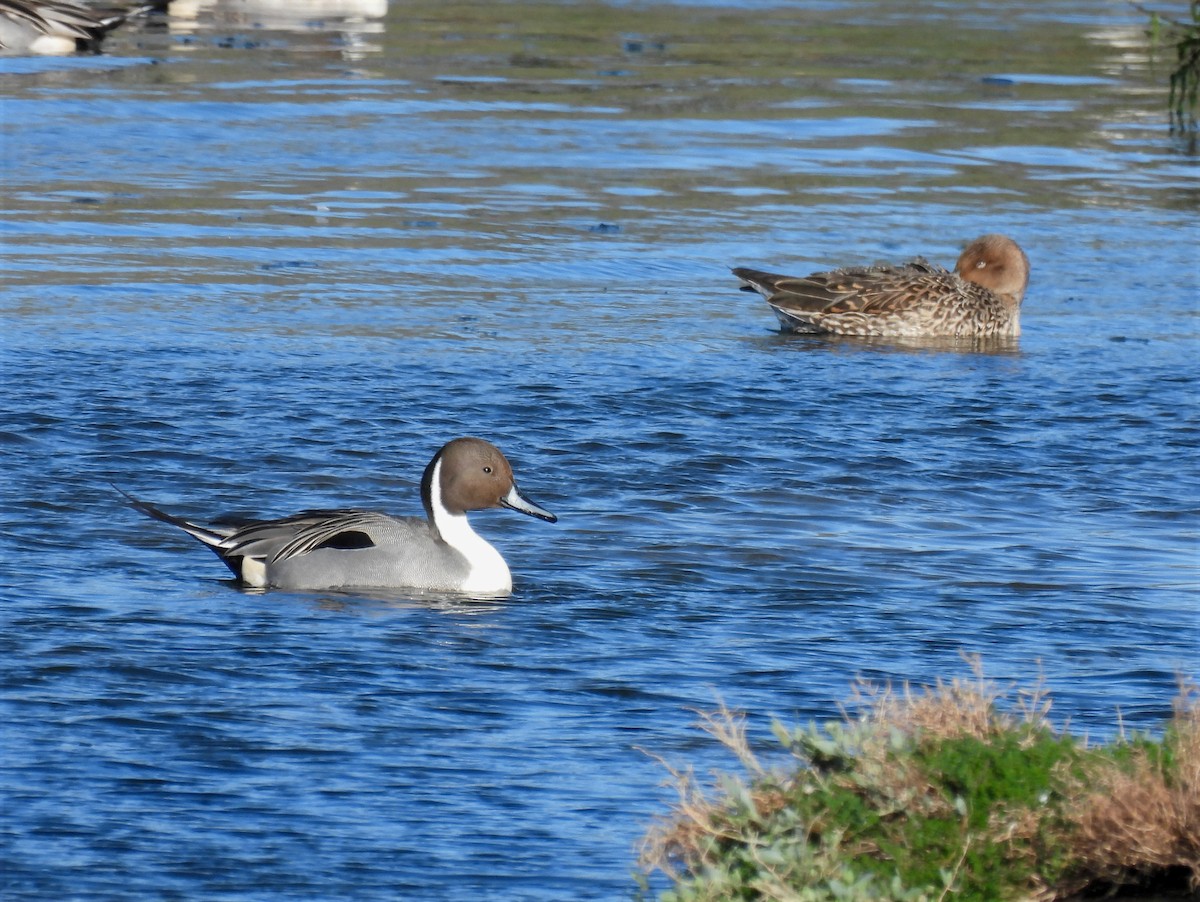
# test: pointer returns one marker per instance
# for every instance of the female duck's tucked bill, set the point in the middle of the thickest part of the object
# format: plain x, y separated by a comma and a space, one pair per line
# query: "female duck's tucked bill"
981, 298
326, 549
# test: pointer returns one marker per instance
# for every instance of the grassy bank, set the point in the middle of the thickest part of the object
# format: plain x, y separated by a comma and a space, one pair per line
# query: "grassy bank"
957, 791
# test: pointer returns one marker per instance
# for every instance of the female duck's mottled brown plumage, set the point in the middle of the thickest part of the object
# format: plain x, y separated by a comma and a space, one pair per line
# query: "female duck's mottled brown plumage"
981, 298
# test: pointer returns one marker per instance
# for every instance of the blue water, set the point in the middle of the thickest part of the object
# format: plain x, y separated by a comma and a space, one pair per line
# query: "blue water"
253, 271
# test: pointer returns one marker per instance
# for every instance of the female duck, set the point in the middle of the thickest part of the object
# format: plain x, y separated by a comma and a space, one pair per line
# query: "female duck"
325, 549
981, 298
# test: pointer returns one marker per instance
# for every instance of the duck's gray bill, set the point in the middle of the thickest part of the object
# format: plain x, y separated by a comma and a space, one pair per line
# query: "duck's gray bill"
514, 500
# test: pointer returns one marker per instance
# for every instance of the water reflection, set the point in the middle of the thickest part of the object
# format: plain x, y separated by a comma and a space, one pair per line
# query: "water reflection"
992, 346
378, 602
288, 15
358, 23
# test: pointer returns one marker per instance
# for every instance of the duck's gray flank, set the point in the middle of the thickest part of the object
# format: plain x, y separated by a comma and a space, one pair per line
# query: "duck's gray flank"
324, 549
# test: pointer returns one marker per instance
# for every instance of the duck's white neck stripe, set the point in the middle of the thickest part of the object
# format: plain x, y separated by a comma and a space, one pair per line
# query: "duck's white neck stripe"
489, 573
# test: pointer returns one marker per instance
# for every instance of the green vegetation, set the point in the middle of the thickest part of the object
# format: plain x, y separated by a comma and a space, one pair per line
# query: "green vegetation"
1185, 79
934, 794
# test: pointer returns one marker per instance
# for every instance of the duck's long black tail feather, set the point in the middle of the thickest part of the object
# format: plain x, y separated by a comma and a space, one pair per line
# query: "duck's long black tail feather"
210, 537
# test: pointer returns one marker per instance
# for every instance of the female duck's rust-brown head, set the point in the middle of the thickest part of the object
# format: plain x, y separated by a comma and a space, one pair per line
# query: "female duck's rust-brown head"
996, 263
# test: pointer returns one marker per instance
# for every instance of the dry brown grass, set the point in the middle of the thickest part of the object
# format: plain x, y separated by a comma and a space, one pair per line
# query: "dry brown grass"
962, 707
696, 822
1134, 823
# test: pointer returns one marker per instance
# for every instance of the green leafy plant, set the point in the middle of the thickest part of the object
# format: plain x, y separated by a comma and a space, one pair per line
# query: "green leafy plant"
933, 794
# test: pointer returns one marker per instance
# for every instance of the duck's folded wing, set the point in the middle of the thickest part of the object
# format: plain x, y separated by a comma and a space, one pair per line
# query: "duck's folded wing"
870, 290
847, 290
54, 18
72, 20
279, 540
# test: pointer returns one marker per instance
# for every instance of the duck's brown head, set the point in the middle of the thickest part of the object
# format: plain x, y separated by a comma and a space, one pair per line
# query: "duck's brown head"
998, 264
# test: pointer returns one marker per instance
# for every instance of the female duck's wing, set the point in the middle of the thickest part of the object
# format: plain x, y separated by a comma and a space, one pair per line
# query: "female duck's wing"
880, 288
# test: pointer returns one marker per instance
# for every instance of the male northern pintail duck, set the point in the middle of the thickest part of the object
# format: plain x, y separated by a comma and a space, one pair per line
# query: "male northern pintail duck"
327, 549
981, 298
57, 26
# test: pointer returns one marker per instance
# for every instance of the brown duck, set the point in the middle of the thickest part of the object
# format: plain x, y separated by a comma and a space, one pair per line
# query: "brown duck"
981, 298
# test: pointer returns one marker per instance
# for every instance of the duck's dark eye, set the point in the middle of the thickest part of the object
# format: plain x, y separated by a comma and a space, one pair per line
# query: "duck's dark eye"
487, 470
